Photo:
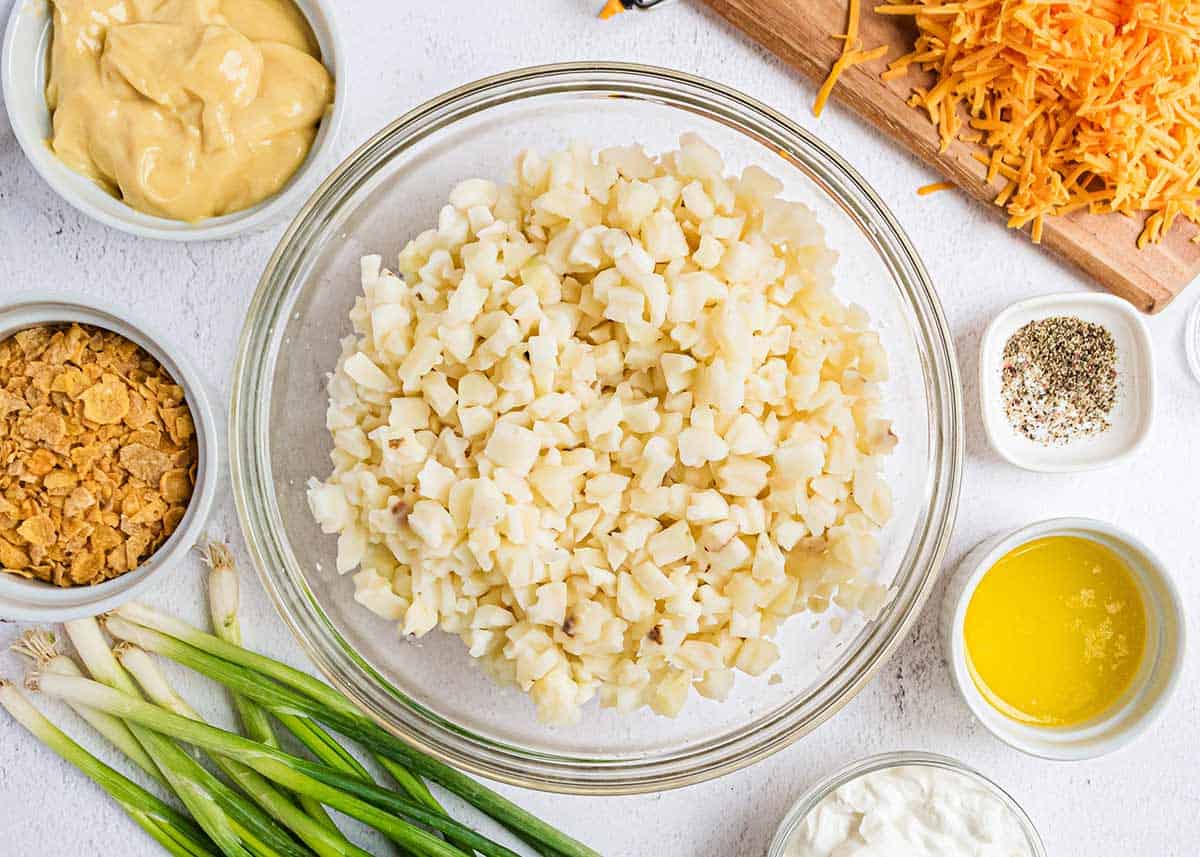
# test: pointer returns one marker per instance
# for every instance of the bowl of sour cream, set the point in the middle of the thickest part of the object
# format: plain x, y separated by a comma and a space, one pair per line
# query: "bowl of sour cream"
911, 803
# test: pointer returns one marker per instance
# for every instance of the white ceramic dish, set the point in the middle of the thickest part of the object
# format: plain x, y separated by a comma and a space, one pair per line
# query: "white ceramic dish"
23, 73
1151, 688
34, 601
1192, 339
903, 758
1131, 417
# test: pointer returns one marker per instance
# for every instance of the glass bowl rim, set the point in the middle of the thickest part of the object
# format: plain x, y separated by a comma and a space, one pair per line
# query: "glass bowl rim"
294, 601
896, 759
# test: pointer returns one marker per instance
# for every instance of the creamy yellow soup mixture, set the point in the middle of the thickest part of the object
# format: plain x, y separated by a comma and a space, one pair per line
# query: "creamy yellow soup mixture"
185, 109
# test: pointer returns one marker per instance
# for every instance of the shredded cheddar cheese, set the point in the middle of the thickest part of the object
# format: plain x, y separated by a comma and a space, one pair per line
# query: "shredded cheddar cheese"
852, 54
1081, 104
611, 9
925, 190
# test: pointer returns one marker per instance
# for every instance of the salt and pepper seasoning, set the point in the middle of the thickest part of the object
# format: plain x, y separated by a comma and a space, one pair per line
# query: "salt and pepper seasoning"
1059, 379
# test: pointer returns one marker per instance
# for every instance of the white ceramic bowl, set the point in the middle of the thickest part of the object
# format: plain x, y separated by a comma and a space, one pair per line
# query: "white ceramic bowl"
1134, 410
1192, 339
898, 759
1151, 688
23, 65
34, 601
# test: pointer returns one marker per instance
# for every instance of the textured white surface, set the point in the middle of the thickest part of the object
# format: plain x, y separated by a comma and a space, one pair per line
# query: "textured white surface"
1140, 801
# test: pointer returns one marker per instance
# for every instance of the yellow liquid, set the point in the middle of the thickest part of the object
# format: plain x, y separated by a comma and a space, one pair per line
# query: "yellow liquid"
1055, 631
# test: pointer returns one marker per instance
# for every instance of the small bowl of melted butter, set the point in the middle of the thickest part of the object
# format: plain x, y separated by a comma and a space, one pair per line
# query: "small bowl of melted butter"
191, 120
1065, 638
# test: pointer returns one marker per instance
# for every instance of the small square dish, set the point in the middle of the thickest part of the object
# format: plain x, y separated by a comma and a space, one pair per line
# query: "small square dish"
1130, 416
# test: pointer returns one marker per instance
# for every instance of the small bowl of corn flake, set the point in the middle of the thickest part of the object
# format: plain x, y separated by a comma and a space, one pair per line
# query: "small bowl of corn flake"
108, 458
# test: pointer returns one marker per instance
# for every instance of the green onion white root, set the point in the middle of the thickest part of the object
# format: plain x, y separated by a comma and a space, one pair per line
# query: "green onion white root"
41, 647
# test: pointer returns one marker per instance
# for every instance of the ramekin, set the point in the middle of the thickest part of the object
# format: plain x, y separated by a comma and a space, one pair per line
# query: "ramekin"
35, 601
1151, 688
23, 67
898, 759
1133, 414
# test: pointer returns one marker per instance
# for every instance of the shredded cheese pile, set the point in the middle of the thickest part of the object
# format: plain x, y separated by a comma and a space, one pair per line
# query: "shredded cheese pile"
852, 54
1083, 104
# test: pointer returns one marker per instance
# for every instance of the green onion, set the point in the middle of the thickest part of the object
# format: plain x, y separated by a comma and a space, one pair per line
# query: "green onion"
323, 745
236, 826
40, 646
243, 671
349, 794
224, 596
174, 831
324, 842
147, 617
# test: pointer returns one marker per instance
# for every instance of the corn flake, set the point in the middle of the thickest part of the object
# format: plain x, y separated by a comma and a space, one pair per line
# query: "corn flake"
97, 455
106, 402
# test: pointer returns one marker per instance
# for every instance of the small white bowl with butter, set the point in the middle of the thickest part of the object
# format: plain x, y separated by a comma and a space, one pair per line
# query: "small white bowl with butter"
1161, 663
906, 803
24, 66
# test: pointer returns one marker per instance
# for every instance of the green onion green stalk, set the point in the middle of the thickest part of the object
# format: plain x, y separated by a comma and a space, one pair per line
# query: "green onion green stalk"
224, 597
350, 795
318, 837
175, 832
236, 826
297, 694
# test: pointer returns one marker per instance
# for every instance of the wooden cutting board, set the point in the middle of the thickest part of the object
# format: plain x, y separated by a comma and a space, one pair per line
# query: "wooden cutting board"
802, 33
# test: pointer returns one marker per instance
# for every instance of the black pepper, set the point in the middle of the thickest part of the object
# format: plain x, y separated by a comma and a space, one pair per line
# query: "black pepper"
1059, 379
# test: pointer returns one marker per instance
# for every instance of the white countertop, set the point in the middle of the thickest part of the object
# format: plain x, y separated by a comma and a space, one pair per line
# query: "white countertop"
1141, 801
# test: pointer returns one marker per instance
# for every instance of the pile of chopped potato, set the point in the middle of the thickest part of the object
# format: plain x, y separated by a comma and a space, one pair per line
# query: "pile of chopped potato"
611, 426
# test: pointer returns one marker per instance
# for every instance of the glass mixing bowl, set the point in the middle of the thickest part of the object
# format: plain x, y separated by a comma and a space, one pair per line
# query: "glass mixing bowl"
429, 691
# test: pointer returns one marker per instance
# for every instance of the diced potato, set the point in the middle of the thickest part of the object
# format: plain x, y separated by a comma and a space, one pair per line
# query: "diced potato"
610, 425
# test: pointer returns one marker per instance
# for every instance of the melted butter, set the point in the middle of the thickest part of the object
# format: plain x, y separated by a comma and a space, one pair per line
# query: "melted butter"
1055, 631
186, 108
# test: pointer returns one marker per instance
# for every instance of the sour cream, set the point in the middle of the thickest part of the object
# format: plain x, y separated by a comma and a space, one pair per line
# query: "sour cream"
910, 811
